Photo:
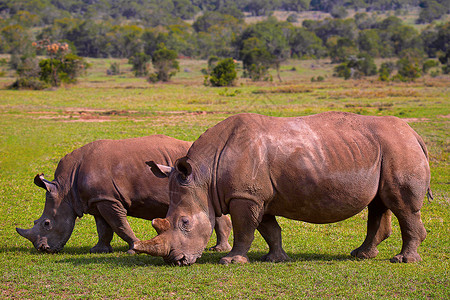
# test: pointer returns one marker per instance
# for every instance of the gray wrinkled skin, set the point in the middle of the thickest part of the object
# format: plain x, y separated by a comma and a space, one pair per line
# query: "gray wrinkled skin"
109, 180
320, 169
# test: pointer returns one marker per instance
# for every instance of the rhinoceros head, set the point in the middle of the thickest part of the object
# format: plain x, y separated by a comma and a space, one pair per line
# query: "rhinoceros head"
184, 233
53, 229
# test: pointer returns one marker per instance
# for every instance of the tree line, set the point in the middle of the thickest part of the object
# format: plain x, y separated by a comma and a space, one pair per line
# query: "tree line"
167, 12
262, 45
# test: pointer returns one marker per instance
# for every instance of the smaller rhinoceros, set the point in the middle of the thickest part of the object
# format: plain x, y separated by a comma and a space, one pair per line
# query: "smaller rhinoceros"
109, 180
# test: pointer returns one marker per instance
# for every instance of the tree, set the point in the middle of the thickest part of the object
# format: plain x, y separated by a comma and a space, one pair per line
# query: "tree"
224, 73
165, 63
273, 37
430, 10
61, 66
341, 49
304, 43
370, 42
356, 67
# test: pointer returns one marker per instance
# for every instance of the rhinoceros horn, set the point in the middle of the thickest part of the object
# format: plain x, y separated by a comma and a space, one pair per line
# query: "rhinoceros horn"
160, 225
26, 233
158, 246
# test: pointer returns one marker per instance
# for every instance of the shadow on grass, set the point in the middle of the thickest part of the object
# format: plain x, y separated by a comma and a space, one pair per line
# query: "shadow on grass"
208, 257
81, 256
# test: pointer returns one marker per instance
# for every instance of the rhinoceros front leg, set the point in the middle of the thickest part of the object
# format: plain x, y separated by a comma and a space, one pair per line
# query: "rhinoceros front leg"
105, 235
223, 230
271, 232
116, 216
378, 229
245, 217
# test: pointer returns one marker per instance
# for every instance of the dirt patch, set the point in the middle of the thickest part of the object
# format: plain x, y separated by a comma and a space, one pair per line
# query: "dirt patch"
103, 115
415, 120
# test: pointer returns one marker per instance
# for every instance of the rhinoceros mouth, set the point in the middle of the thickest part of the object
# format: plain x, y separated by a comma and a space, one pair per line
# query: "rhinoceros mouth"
180, 259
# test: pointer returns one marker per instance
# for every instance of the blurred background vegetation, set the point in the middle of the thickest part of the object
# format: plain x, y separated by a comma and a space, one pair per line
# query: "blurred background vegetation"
261, 33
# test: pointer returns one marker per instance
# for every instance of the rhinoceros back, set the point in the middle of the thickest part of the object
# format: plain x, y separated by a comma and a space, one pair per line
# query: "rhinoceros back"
115, 170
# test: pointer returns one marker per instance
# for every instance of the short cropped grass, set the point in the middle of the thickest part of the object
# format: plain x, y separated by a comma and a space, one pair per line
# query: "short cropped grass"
39, 128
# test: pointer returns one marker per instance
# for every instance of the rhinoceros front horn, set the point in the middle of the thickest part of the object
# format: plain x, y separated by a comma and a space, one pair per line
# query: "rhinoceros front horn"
158, 246
26, 233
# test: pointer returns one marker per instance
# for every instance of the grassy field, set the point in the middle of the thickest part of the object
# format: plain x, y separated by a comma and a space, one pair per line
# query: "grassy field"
40, 127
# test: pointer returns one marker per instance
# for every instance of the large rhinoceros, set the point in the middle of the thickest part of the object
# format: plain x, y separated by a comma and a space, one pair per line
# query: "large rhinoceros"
110, 180
320, 169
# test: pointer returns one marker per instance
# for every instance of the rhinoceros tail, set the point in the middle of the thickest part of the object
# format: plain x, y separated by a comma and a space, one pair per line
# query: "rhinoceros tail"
429, 195
425, 151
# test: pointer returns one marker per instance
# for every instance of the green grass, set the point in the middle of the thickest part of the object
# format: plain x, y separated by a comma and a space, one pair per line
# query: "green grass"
38, 128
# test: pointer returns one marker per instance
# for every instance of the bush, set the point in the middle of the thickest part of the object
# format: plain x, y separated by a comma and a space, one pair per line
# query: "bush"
429, 64
31, 83
256, 64
356, 67
385, 70
408, 70
114, 69
165, 63
224, 74
139, 62
65, 70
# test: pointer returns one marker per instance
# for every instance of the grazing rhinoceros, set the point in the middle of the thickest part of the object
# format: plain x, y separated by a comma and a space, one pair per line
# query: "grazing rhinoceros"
319, 169
110, 180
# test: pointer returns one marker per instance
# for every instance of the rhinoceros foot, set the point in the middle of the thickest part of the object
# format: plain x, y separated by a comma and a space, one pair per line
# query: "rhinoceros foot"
221, 247
275, 257
101, 249
364, 253
406, 258
226, 260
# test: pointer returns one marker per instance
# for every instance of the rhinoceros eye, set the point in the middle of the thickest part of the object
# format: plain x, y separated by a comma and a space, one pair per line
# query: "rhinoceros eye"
47, 224
185, 224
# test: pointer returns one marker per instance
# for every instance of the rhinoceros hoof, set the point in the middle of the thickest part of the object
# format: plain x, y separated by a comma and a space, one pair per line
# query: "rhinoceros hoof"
221, 248
101, 249
233, 259
364, 253
275, 257
406, 258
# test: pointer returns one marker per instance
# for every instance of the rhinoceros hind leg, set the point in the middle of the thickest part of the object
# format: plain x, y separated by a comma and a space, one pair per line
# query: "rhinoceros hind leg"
223, 230
413, 233
378, 229
271, 232
105, 235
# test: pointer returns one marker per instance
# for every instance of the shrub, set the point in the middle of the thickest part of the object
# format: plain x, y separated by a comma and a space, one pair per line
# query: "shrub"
31, 83
356, 67
408, 70
165, 63
224, 74
114, 69
256, 64
139, 62
385, 70
429, 64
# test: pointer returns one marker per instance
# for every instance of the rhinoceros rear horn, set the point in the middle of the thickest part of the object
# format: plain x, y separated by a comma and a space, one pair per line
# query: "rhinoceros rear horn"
26, 233
158, 246
160, 225
159, 171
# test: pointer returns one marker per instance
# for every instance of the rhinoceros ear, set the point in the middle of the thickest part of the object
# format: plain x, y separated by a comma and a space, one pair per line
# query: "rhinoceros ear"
40, 181
160, 171
183, 166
